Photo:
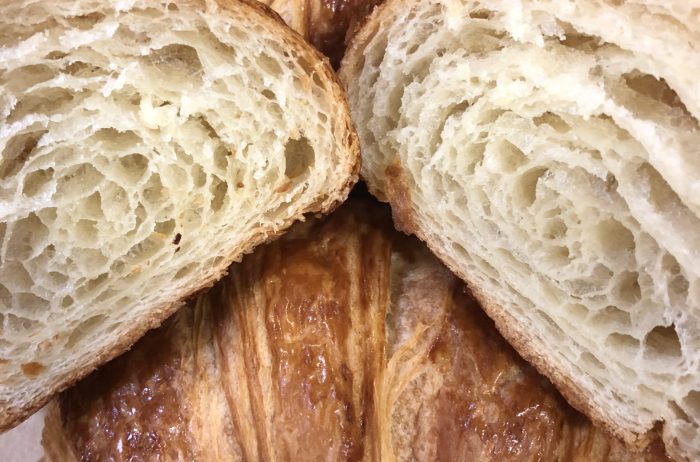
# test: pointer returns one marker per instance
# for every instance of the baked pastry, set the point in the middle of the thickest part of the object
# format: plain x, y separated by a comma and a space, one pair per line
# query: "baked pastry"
547, 152
343, 340
327, 24
145, 146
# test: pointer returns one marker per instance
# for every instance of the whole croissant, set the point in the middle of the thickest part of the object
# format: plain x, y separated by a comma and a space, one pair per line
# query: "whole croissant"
343, 340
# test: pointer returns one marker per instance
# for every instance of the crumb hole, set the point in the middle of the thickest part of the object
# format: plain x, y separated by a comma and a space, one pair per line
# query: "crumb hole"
56, 55
78, 181
5, 295
678, 289
199, 178
94, 284
116, 139
612, 316
144, 249
614, 237
186, 270
58, 279
154, 193
17, 151
692, 403
31, 304
81, 69
67, 301
35, 181
29, 234
553, 326
176, 59
527, 185
663, 342
591, 361
91, 206
218, 191
86, 231
32, 369
84, 329
299, 157
511, 156
679, 412
85, 21
577, 310
660, 194
558, 255
165, 228
553, 120
268, 65
47, 100
555, 229
656, 89
580, 41
627, 288
202, 120
624, 343
481, 14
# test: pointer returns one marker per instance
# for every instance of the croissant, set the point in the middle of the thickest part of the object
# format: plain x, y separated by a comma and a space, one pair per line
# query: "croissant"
343, 340
144, 146
548, 152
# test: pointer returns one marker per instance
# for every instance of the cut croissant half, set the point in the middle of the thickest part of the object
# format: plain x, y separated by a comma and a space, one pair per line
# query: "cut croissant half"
549, 153
145, 146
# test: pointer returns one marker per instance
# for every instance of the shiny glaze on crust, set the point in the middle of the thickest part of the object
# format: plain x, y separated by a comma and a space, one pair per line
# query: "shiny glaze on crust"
133, 408
344, 340
303, 308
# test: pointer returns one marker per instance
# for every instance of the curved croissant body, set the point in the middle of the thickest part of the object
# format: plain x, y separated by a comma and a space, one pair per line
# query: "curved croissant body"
341, 341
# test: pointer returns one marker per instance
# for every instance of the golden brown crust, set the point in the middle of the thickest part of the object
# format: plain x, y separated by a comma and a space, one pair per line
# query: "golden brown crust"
53, 439
400, 193
343, 340
141, 398
345, 132
353, 58
326, 24
330, 24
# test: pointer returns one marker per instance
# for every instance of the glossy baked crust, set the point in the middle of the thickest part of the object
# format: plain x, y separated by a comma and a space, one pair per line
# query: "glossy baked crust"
344, 340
